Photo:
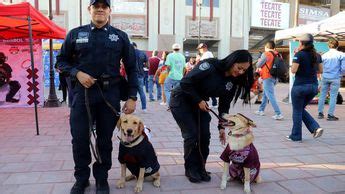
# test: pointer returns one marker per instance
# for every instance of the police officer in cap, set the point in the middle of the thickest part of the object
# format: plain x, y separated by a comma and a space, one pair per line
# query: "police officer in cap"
227, 79
91, 55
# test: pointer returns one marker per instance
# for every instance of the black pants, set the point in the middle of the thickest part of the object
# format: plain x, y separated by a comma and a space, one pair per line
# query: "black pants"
14, 88
195, 129
105, 124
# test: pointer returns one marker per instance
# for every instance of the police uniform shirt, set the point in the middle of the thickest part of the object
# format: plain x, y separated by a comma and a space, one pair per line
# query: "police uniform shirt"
205, 81
98, 51
139, 156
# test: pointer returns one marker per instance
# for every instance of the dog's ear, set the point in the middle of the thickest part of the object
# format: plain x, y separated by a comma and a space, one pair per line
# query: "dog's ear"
118, 124
250, 122
141, 127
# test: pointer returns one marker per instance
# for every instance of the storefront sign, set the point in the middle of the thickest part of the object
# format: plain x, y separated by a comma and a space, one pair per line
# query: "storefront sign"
208, 29
132, 25
310, 14
267, 14
130, 16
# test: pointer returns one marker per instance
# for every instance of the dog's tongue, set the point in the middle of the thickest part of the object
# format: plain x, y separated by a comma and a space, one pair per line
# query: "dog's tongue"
129, 138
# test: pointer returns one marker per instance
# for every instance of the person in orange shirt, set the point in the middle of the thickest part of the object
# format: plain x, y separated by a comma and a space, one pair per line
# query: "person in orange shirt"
265, 63
256, 89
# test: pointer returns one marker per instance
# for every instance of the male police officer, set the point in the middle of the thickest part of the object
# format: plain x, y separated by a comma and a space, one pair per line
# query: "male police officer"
91, 54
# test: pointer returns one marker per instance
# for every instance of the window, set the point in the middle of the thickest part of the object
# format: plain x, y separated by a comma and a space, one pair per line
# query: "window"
205, 3
130, 16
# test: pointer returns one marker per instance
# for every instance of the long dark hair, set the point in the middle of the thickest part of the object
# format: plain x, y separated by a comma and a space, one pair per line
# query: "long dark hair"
308, 46
244, 81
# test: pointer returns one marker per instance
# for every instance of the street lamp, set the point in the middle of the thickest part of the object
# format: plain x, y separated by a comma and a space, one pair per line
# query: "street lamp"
199, 3
52, 100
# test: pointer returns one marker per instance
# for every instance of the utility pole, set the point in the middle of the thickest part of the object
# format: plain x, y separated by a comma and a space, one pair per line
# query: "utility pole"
80, 12
295, 24
199, 25
52, 100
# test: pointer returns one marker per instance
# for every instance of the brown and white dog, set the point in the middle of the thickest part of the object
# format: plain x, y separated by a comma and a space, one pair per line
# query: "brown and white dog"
240, 151
136, 153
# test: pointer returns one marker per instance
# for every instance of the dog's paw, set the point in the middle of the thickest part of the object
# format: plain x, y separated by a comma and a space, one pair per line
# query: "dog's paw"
156, 183
247, 187
120, 184
138, 188
223, 185
247, 190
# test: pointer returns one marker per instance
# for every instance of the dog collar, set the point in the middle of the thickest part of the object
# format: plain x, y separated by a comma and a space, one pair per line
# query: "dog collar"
239, 135
128, 144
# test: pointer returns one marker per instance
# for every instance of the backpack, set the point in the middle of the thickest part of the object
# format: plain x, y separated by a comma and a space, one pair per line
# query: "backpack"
279, 69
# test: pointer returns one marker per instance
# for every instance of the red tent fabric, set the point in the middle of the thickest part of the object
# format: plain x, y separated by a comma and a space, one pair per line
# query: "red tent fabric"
14, 23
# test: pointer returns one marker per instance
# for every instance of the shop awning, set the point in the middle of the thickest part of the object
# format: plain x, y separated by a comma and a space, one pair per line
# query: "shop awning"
330, 27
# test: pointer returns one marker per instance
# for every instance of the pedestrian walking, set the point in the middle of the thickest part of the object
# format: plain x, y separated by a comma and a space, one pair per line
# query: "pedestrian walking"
333, 63
141, 60
153, 66
265, 63
227, 79
161, 75
175, 65
305, 65
91, 55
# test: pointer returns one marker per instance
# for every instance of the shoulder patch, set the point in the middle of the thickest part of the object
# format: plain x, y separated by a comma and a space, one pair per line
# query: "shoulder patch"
83, 34
204, 66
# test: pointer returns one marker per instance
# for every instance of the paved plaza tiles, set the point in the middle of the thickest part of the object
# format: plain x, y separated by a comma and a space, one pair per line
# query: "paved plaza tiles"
43, 164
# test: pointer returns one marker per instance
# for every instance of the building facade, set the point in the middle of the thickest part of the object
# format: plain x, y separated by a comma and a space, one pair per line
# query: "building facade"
224, 25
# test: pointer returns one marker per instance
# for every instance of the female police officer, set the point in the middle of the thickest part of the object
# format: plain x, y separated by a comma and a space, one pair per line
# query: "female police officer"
91, 55
227, 79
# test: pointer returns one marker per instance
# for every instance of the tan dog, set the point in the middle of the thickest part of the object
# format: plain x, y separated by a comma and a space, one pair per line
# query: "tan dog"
136, 153
240, 151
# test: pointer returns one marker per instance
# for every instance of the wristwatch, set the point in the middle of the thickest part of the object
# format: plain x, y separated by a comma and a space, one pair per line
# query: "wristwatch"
133, 98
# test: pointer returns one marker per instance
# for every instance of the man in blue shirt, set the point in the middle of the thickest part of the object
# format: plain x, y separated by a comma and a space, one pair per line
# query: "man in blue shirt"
333, 68
141, 59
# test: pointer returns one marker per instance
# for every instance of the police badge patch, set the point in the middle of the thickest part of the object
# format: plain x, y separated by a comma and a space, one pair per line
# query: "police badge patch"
113, 37
228, 86
204, 66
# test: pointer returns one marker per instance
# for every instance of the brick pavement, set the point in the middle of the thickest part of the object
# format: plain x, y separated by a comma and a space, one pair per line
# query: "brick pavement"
43, 164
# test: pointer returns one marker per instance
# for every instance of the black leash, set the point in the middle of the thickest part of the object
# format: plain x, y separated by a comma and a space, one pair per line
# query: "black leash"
219, 118
92, 130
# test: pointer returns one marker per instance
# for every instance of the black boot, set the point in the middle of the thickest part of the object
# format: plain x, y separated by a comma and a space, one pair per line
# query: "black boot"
193, 176
79, 187
205, 176
102, 187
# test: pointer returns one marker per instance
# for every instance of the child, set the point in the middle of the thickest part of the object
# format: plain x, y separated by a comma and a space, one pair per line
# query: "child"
256, 89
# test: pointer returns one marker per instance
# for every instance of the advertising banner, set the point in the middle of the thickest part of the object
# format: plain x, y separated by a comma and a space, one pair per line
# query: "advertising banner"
269, 14
309, 14
16, 87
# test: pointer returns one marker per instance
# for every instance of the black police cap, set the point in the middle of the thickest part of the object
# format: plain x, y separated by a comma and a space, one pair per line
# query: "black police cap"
100, 1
